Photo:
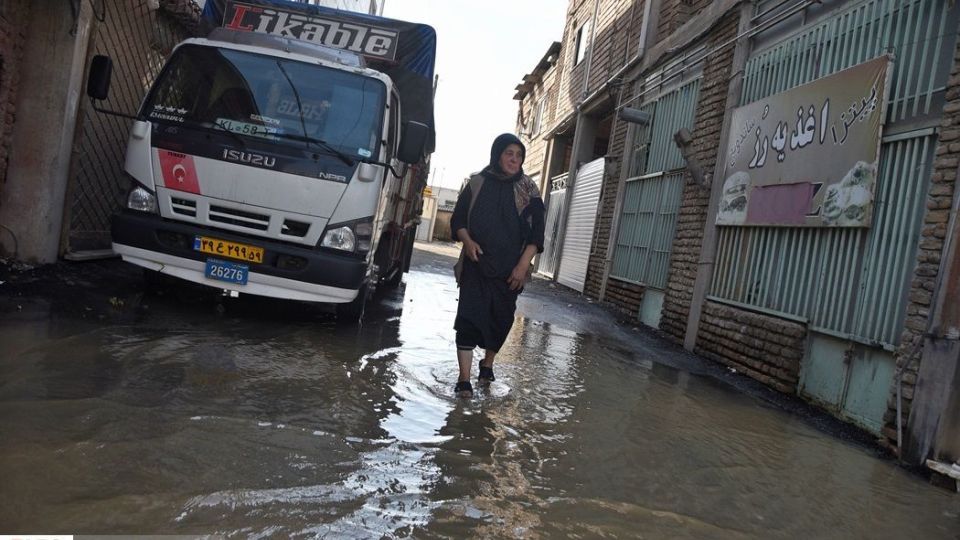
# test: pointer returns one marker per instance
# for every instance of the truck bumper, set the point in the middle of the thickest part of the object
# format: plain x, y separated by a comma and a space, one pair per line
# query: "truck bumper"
289, 272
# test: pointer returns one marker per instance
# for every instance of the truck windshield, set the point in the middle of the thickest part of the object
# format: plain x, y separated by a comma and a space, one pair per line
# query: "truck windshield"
269, 98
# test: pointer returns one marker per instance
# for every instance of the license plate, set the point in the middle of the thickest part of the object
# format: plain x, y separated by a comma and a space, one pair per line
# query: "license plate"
223, 248
227, 271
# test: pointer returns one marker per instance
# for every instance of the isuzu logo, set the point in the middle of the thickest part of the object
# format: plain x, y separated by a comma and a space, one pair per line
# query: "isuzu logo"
249, 157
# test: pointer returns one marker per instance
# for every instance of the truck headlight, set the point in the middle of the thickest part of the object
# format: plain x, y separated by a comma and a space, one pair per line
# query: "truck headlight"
142, 200
341, 238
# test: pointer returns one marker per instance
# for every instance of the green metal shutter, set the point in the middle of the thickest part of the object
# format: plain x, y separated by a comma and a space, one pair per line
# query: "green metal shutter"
652, 195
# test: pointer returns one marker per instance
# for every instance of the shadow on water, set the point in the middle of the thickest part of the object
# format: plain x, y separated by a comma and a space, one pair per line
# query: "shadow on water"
270, 419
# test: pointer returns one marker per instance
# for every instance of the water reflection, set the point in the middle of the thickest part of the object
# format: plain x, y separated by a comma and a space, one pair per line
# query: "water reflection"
268, 422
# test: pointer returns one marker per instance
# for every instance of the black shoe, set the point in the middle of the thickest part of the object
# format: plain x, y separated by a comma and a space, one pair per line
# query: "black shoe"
486, 375
463, 389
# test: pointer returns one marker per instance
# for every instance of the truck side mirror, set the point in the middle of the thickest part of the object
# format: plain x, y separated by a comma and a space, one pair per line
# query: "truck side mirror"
413, 139
98, 81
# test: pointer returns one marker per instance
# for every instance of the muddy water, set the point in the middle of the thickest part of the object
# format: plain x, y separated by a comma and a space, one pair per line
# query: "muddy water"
259, 425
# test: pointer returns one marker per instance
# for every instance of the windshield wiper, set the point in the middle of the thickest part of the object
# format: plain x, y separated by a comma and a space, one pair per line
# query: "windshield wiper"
319, 142
303, 124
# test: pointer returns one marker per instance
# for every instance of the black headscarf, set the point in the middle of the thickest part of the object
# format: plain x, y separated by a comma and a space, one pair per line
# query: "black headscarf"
496, 150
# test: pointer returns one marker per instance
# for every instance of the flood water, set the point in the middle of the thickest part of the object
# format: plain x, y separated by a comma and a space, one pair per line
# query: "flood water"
185, 421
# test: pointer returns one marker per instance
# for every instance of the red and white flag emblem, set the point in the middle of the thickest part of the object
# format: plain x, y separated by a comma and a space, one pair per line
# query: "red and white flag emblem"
178, 171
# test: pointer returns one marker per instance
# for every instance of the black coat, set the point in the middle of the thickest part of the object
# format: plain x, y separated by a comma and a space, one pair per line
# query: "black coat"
487, 304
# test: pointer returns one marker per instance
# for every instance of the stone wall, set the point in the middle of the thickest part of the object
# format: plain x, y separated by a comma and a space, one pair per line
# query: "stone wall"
13, 31
930, 250
765, 348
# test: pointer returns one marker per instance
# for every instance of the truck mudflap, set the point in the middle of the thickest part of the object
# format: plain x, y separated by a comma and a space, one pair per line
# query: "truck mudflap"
269, 268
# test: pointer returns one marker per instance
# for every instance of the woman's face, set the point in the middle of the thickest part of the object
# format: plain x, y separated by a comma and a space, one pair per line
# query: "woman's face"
511, 159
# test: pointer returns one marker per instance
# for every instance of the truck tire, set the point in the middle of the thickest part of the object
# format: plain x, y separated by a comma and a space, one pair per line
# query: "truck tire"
403, 265
351, 312
408, 250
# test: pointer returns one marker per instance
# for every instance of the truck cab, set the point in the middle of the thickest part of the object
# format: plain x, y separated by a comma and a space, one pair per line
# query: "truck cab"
271, 166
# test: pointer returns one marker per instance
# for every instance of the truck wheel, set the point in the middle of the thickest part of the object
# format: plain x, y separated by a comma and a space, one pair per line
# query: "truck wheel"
352, 311
394, 281
403, 264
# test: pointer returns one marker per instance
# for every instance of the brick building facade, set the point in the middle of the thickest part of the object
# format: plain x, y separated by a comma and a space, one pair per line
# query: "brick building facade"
633, 51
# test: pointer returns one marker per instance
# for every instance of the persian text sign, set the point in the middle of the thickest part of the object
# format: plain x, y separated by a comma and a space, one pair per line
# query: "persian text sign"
808, 157
369, 41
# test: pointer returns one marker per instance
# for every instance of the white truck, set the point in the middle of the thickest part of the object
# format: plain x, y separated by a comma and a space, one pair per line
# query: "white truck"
283, 155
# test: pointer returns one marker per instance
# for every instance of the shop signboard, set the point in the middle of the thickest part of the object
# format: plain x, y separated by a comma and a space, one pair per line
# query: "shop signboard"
808, 157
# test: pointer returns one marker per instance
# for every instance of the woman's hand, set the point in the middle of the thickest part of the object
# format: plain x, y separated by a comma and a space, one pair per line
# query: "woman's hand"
518, 277
472, 250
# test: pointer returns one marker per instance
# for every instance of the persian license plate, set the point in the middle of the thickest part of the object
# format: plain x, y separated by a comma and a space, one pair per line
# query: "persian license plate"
232, 250
227, 271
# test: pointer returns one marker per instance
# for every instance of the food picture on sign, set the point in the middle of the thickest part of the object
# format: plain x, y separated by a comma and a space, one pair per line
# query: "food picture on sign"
801, 159
848, 201
734, 198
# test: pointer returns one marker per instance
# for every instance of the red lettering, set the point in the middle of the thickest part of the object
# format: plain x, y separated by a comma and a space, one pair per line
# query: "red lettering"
239, 11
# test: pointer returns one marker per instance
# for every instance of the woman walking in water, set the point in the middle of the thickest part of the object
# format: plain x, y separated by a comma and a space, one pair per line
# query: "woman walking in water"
499, 218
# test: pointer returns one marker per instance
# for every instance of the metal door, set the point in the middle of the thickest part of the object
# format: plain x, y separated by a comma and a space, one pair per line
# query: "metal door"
581, 219
547, 264
651, 199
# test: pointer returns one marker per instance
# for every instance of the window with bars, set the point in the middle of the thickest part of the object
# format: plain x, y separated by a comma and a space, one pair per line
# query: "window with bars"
651, 199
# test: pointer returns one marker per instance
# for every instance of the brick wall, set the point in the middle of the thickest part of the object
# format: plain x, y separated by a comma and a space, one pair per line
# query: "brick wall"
615, 34
611, 39
765, 348
535, 143
692, 215
623, 295
691, 218
674, 13
571, 80
536, 146
929, 253
13, 32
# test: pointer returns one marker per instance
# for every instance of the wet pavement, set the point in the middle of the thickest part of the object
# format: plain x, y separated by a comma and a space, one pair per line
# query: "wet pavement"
126, 412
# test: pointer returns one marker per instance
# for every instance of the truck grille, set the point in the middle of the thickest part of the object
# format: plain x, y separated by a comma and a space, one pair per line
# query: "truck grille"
245, 220
184, 207
239, 218
295, 228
